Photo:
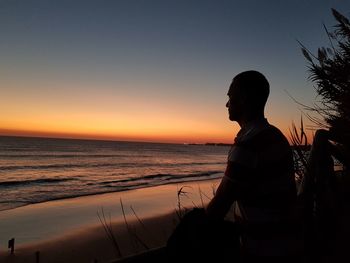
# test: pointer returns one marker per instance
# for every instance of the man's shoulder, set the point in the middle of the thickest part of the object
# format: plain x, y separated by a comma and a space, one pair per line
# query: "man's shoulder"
269, 137
269, 141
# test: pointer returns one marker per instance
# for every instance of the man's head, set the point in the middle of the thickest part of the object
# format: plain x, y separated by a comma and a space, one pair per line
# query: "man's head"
248, 94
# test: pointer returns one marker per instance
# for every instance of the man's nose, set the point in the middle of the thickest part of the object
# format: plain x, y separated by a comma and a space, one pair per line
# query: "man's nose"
227, 104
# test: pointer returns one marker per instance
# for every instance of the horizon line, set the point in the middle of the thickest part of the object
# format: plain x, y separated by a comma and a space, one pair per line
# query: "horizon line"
108, 140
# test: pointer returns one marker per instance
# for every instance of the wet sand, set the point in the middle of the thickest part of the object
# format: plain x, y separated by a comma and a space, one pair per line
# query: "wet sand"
70, 230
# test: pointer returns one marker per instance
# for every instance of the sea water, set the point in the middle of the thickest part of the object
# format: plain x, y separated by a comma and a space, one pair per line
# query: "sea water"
34, 170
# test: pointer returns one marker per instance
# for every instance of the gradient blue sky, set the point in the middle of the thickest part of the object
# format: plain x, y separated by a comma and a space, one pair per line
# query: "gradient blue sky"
151, 70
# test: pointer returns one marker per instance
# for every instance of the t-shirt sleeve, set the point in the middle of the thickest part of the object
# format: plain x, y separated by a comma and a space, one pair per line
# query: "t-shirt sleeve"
242, 156
241, 163
240, 169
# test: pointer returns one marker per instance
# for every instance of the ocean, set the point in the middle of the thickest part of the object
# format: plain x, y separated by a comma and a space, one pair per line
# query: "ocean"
34, 170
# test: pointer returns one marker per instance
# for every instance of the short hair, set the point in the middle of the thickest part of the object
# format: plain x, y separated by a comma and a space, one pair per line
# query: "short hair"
255, 86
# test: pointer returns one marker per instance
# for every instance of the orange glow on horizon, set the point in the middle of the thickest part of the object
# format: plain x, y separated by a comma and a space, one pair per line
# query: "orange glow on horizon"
183, 137
165, 138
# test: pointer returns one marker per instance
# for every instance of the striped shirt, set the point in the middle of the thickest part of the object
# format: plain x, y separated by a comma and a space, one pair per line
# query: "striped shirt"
260, 167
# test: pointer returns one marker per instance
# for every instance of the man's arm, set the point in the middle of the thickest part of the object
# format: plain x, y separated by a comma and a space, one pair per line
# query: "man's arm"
236, 183
223, 199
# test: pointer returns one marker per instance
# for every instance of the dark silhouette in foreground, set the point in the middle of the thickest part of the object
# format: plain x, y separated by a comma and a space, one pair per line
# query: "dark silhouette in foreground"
324, 197
258, 185
199, 238
325, 193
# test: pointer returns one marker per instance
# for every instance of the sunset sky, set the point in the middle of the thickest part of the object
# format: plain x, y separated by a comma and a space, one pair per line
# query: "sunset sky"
151, 70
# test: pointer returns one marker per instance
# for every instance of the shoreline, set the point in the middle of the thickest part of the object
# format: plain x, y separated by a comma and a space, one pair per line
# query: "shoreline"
74, 221
192, 179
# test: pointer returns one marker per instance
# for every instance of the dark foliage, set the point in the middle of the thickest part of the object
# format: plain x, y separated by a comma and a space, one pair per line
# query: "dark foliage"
330, 71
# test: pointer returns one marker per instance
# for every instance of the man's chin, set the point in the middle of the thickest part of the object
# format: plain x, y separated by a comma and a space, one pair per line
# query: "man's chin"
231, 118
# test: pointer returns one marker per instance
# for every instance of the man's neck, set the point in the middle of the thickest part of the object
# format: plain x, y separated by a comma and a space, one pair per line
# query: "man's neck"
244, 121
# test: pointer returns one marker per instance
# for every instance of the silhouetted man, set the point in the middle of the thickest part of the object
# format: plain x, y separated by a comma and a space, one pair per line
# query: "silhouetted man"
259, 180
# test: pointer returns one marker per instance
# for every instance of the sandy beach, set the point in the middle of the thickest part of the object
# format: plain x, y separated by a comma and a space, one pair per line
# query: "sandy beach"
70, 230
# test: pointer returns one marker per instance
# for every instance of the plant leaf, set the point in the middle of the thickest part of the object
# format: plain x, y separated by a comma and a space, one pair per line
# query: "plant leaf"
306, 54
